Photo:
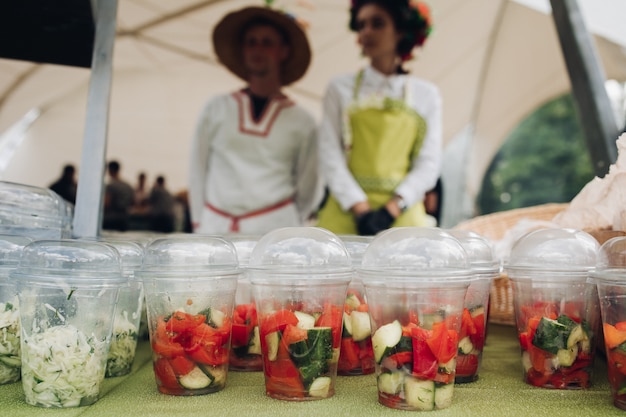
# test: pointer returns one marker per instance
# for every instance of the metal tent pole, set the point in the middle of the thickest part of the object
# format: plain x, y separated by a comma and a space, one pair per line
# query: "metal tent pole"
587, 79
88, 210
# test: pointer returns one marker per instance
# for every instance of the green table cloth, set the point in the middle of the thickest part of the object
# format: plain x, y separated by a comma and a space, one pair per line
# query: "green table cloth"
499, 391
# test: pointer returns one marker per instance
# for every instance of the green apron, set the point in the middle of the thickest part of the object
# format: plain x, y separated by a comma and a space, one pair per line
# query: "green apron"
381, 140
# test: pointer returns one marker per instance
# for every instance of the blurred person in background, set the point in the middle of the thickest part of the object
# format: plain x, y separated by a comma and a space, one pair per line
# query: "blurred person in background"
254, 161
118, 200
66, 185
381, 130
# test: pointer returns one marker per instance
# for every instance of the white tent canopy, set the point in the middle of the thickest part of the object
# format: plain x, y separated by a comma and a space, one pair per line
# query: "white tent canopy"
494, 60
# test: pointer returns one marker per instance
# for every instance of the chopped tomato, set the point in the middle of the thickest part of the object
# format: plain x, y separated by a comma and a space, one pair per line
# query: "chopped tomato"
478, 338
240, 335
612, 336
540, 359
621, 326
537, 378
443, 342
579, 378
181, 365
283, 378
349, 356
363, 308
424, 361
181, 321
209, 354
398, 360
245, 313
293, 334
408, 329
617, 361
165, 375
468, 328
466, 365
277, 321
413, 317
167, 349
332, 317
524, 341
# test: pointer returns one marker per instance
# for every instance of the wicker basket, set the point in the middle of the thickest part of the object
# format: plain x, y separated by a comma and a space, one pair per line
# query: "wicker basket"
494, 226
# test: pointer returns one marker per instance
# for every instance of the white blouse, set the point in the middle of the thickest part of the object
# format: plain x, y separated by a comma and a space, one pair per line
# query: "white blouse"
419, 94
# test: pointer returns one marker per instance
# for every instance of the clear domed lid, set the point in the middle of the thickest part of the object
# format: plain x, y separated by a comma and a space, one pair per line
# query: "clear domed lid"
244, 244
69, 261
554, 250
611, 262
26, 203
612, 254
131, 254
417, 252
480, 251
356, 246
207, 254
292, 249
11, 247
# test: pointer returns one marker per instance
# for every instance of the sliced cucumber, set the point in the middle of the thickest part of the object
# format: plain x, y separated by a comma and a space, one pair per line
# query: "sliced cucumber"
427, 320
272, 340
386, 336
391, 383
578, 335
254, 347
352, 301
320, 342
443, 396
465, 346
477, 311
419, 393
448, 367
347, 325
567, 357
196, 379
214, 317
305, 321
320, 387
361, 328
526, 362
219, 376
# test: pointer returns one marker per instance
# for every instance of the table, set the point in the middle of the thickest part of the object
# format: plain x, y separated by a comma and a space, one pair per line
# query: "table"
500, 390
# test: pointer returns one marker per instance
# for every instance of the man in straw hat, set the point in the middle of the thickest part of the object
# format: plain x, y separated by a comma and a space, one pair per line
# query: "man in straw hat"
254, 162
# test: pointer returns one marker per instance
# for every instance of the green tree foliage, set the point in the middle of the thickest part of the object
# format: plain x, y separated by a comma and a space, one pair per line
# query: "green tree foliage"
544, 160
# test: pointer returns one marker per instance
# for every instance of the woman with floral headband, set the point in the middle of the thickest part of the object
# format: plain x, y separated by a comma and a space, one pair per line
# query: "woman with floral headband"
380, 136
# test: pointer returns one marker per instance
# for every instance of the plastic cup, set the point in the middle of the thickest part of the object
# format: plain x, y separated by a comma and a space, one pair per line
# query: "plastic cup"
299, 279
127, 312
190, 284
245, 345
357, 355
10, 360
485, 267
415, 280
610, 278
556, 308
67, 292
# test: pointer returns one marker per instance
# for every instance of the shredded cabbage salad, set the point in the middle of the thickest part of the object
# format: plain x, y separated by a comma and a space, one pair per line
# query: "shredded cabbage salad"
62, 367
123, 346
10, 361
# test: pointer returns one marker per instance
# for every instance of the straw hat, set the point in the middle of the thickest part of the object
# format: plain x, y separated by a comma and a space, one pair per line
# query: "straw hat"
227, 36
